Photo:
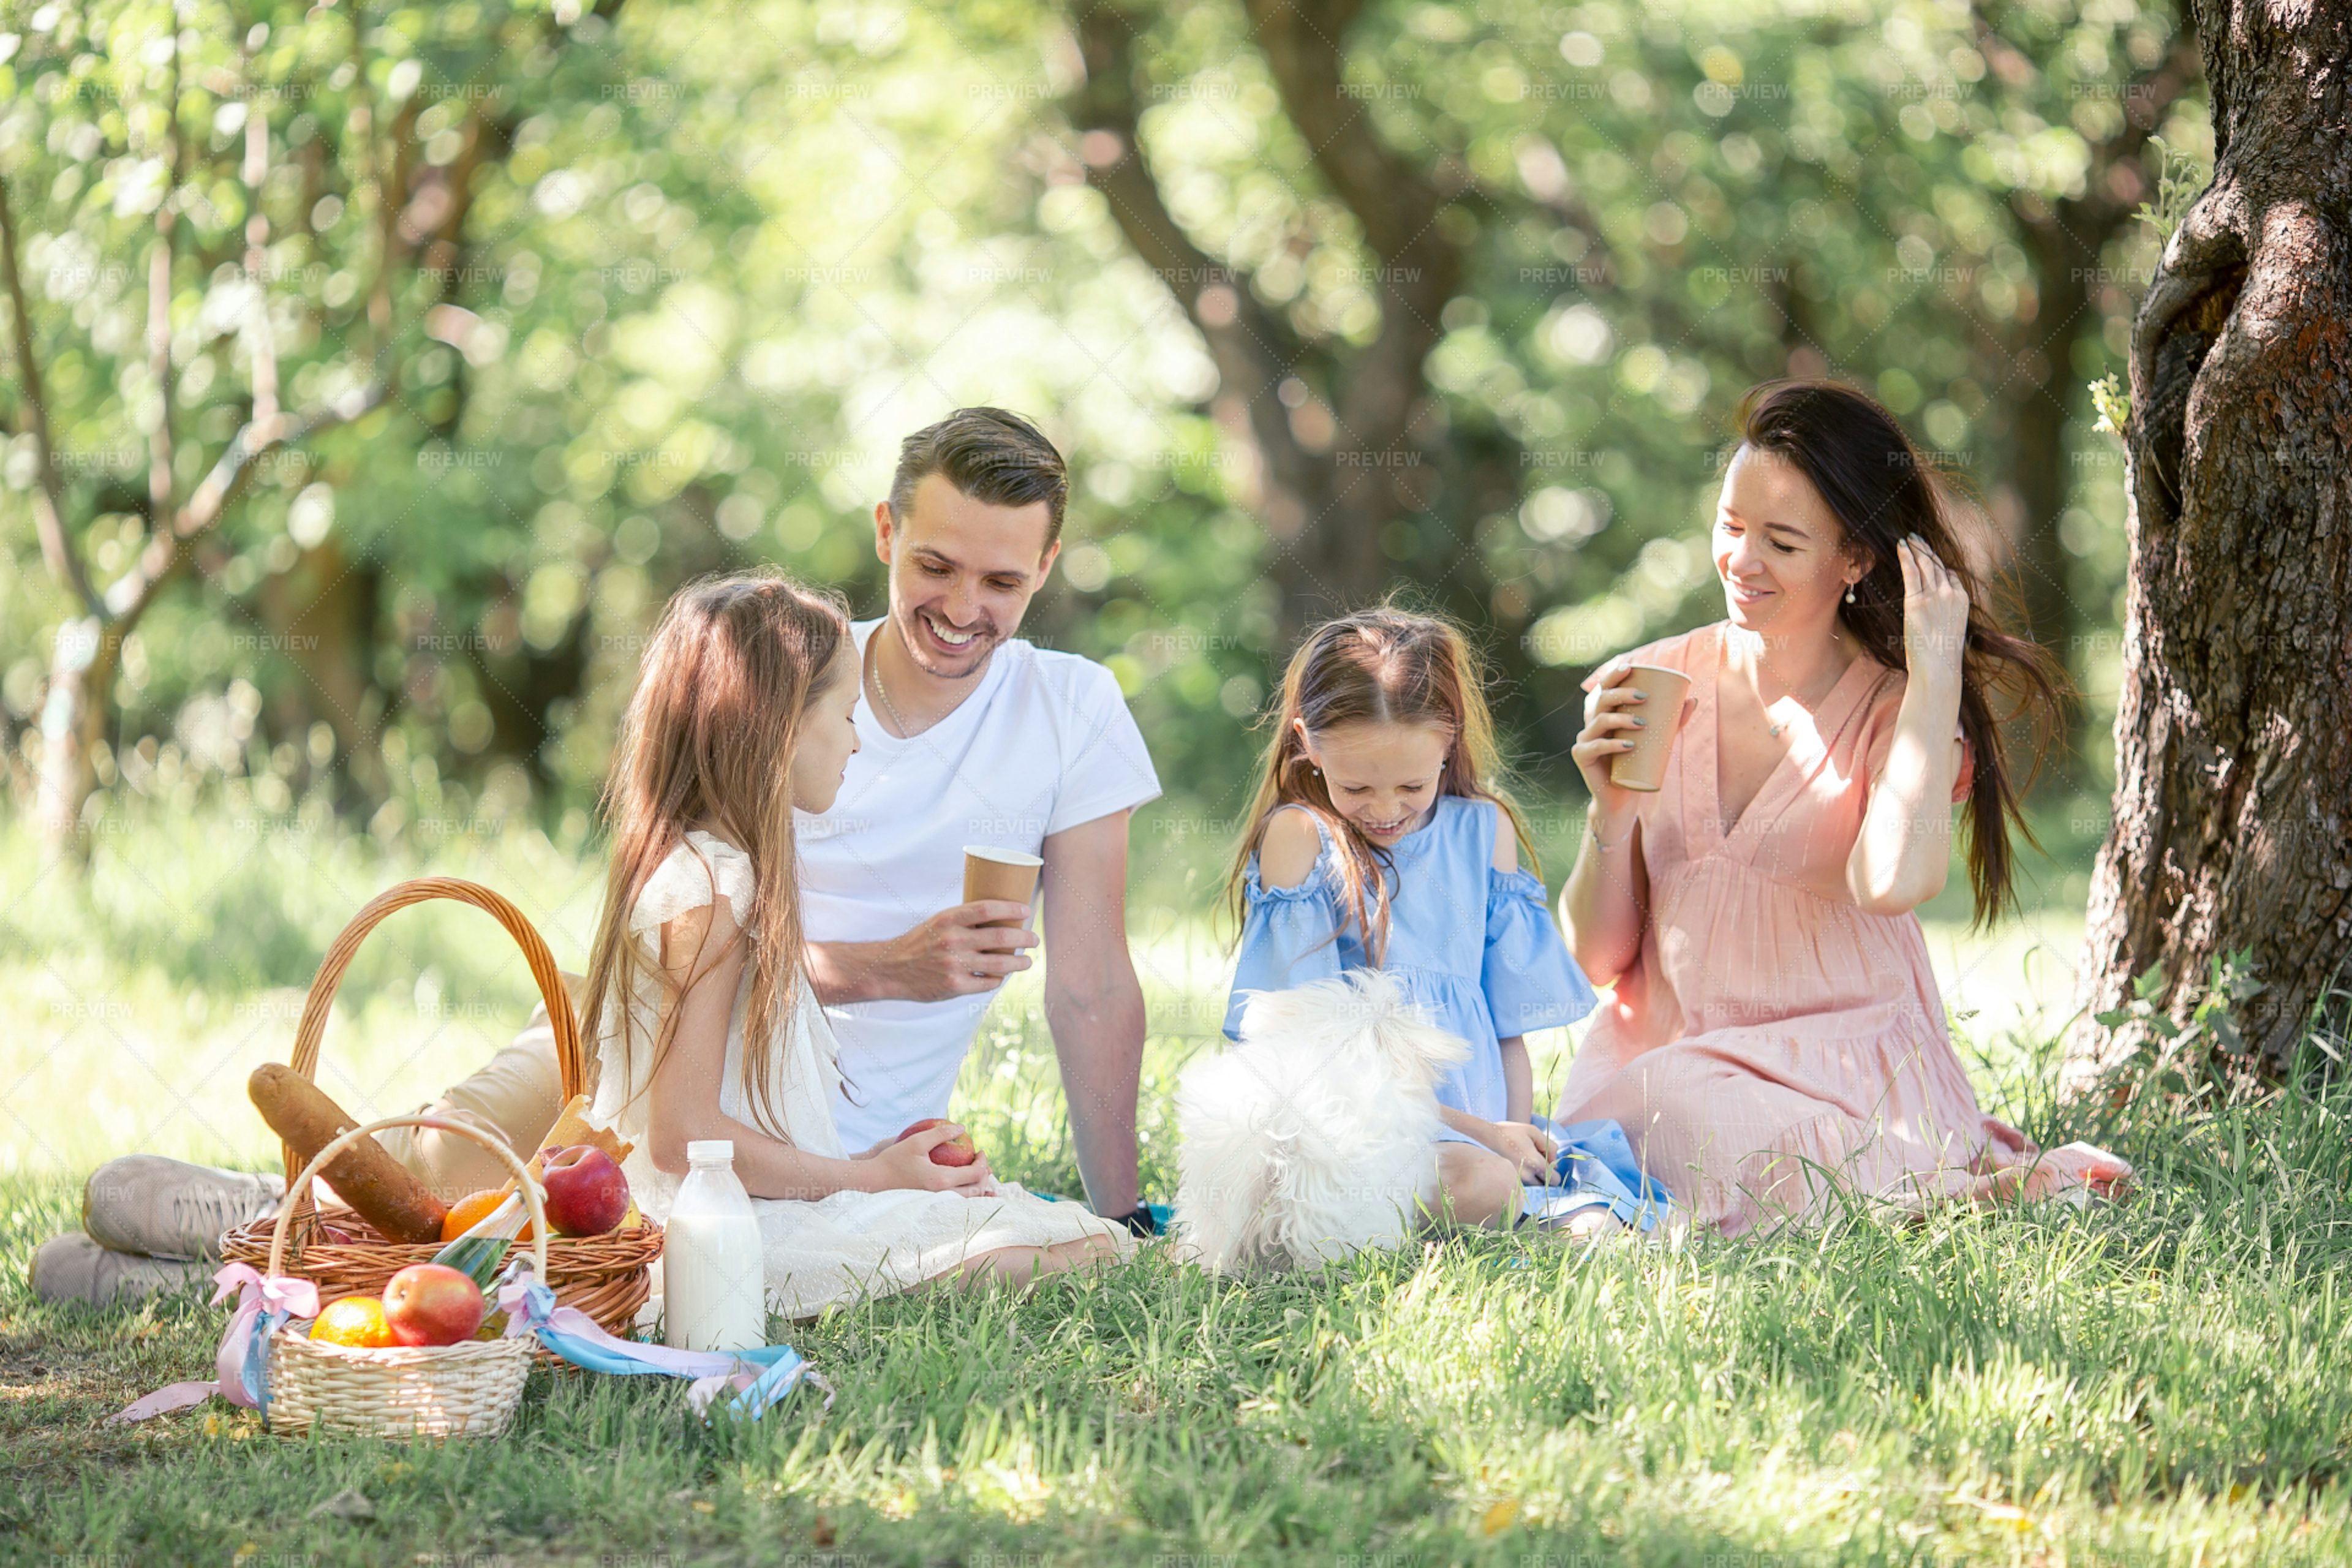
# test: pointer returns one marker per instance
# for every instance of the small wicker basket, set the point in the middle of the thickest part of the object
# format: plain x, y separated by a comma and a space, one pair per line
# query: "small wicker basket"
603, 1276
466, 1390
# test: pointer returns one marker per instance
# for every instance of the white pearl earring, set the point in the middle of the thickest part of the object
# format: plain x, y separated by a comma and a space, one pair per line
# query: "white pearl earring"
1849, 593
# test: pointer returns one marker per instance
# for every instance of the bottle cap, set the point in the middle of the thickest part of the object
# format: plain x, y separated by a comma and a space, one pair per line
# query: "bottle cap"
711, 1151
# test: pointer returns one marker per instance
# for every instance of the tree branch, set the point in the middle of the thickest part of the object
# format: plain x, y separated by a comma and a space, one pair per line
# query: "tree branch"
159, 301
1325, 509
1252, 347
443, 243
256, 258
128, 596
1393, 201
361, 130
48, 491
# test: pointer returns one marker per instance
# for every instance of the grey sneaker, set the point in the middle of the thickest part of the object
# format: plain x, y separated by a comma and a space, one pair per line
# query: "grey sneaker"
169, 1208
74, 1268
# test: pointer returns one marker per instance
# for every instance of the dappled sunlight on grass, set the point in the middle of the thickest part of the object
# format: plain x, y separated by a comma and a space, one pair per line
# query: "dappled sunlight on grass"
2164, 1380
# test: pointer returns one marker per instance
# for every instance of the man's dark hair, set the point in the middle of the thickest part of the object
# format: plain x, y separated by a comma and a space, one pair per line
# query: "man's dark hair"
990, 456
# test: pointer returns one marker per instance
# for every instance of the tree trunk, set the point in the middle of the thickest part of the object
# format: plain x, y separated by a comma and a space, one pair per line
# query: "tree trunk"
321, 615
2234, 734
73, 722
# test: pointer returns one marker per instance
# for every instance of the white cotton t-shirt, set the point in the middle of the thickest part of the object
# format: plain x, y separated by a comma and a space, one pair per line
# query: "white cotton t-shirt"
1044, 742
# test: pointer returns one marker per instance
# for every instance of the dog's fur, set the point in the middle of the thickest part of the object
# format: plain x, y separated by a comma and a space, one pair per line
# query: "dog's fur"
1313, 1136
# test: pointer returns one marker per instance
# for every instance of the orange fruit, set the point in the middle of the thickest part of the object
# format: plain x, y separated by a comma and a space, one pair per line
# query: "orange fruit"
356, 1320
471, 1210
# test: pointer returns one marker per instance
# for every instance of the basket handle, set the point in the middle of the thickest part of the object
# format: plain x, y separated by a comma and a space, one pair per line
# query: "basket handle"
569, 1061
301, 1184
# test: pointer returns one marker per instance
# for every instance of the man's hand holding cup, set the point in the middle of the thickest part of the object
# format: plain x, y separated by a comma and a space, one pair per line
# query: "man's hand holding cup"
960, 951
1003, 883
973, 945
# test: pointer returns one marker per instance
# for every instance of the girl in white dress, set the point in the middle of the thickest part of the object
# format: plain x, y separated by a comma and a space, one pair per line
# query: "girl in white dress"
700, 1014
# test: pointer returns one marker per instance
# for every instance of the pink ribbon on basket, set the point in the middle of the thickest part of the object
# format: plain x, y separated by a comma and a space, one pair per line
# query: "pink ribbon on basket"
242, 1366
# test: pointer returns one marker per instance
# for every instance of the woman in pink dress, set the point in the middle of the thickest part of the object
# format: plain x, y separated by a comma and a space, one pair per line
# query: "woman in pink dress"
1775, 1037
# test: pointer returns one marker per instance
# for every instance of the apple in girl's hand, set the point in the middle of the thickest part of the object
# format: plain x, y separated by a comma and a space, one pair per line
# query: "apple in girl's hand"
586, 1193
959, 1150
432, 1304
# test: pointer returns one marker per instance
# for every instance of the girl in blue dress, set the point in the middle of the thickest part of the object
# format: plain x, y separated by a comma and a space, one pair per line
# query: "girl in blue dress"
1379, 839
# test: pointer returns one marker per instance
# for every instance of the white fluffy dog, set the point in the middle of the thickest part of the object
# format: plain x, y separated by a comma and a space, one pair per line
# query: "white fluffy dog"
1312, 1137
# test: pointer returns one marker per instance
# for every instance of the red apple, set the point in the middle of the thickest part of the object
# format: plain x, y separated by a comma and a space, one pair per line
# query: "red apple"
432, 1304
586, 1193
959, 1150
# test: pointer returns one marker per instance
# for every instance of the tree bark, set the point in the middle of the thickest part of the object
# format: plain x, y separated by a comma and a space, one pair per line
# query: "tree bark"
2232, 827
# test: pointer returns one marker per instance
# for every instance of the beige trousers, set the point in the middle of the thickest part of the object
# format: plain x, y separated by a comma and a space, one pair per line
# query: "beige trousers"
515, 1097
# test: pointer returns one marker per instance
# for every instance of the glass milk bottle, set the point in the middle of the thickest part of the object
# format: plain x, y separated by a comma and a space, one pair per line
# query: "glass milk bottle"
712, 1273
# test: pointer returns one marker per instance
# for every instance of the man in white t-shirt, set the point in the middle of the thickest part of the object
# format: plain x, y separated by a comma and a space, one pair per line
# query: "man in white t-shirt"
971, 736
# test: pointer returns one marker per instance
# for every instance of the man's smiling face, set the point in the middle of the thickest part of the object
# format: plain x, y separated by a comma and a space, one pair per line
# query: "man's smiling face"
962, 572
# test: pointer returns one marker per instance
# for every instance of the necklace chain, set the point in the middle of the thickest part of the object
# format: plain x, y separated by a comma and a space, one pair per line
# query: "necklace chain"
905, 732
1771, 729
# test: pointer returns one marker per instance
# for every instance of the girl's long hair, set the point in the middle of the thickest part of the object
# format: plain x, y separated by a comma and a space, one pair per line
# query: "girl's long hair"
1384, 666
1880, 488
708, 742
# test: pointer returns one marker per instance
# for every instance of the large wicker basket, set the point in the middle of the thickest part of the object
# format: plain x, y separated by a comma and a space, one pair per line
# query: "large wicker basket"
602, 1275
466, 1390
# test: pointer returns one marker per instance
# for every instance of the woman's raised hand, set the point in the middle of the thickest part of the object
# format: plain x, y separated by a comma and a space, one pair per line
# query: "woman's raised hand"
1935, 611
1612, 712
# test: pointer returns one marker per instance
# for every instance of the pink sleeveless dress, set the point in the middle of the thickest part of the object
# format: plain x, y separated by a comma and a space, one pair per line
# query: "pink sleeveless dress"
1775, 1045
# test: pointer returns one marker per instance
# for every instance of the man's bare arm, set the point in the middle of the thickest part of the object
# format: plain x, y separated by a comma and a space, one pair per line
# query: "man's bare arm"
1094, 1005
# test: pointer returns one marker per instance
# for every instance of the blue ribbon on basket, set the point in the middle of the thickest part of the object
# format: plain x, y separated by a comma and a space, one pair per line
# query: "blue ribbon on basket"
757, 1377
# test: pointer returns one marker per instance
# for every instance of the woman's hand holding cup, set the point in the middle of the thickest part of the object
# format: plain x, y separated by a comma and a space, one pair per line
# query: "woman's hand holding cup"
1613, 715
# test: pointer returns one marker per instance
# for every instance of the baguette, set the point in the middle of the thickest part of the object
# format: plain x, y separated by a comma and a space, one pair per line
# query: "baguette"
377, 1187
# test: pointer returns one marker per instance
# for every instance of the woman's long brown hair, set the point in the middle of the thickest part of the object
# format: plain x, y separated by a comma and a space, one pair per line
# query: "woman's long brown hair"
1382, 667
708, 742
1880, 488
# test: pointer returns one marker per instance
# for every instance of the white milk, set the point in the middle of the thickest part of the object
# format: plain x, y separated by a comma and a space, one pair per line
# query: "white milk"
713, 1278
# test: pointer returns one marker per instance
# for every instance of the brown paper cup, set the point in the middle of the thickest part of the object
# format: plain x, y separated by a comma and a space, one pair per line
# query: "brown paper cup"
993, 873
1644, 767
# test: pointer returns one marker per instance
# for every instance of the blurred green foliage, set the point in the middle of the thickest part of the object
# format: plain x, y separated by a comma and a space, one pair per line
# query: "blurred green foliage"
715, 259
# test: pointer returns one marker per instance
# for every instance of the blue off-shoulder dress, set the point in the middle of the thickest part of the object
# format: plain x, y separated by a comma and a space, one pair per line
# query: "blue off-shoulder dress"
1477, 949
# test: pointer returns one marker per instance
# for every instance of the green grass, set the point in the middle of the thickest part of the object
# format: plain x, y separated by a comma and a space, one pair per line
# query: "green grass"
2165, 1381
